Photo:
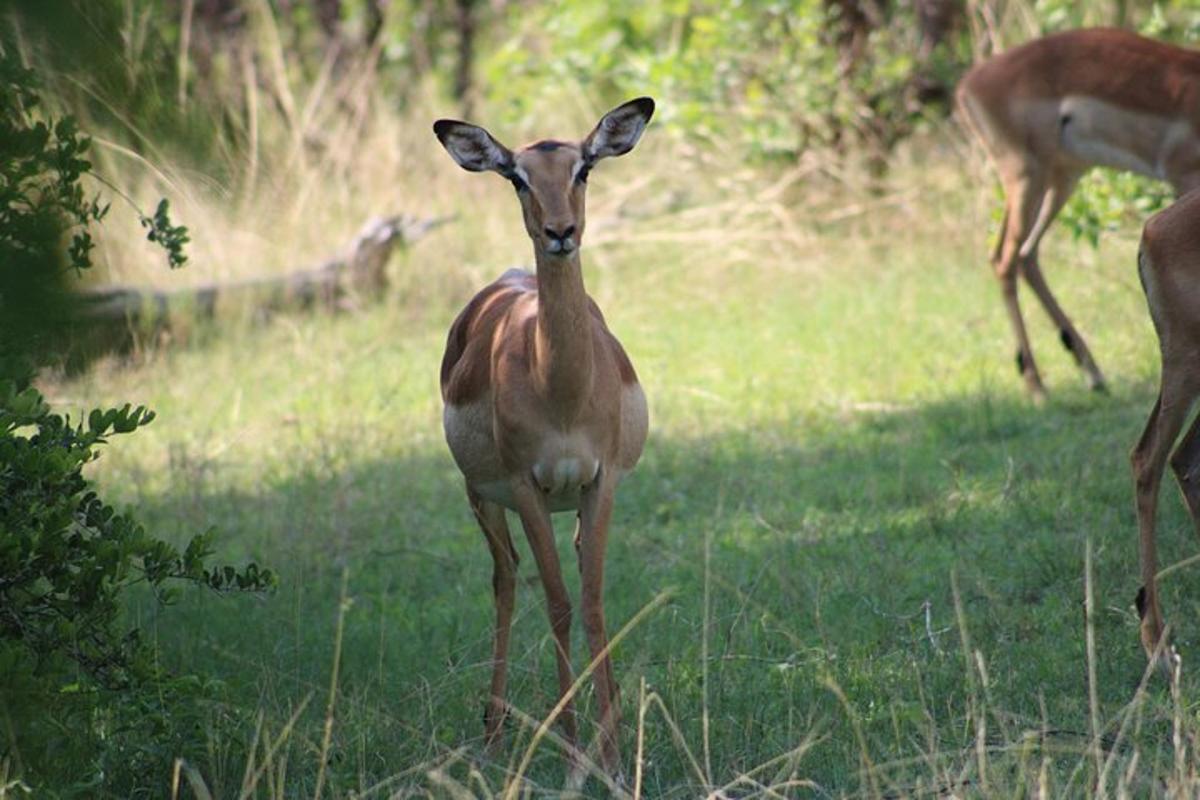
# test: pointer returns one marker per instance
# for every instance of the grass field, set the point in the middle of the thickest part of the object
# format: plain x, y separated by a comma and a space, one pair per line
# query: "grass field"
862, 548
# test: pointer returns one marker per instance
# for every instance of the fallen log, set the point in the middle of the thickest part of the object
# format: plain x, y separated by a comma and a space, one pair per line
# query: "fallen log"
119, 318
360, 273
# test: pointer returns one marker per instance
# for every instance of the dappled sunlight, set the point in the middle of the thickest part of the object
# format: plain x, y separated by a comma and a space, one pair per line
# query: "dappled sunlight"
812, 540
855, 559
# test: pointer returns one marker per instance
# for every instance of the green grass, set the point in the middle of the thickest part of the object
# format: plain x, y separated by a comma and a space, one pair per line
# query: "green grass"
838, 440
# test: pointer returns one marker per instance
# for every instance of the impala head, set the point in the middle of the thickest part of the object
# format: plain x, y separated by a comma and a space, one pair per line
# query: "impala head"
550, 176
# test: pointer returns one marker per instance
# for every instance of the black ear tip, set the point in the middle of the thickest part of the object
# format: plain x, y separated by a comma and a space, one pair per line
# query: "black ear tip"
443, 127
645, 105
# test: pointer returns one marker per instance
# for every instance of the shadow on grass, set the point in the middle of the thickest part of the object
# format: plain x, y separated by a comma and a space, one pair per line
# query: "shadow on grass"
825, 544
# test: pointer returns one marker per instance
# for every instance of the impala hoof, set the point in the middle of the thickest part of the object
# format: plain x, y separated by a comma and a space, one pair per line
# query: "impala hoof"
576, 776
1159, 650
1167, 662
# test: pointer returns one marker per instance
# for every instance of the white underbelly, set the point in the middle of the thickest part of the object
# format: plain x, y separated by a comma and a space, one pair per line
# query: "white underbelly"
1097, 132
472, 443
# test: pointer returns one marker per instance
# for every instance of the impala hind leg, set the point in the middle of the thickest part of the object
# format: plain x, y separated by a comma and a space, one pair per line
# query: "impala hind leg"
504, 582
1175, 399
594, 515
1023, 192
535, 518
1061, 187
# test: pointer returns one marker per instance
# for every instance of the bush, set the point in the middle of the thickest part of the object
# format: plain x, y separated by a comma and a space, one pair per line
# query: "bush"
68, 558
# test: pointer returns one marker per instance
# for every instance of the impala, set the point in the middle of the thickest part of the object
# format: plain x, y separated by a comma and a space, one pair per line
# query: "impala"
543, 410
1048, 111
1169, 268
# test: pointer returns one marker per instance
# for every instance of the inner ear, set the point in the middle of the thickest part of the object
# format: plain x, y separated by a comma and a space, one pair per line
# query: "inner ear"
473, 148
618, 130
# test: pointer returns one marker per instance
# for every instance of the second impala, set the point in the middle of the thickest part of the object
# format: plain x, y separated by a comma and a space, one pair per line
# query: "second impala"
1050, 110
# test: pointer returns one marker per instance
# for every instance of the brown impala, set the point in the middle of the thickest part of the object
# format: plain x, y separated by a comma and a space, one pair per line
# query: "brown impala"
1169, 267
1050, 110
543, 411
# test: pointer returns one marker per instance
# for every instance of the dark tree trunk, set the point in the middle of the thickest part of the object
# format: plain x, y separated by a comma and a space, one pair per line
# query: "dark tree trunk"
374, 24
936, 20
329, 17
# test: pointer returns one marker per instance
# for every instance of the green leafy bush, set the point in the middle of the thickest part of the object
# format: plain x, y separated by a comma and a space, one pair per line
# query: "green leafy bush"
762, 76
67, 557
73, 668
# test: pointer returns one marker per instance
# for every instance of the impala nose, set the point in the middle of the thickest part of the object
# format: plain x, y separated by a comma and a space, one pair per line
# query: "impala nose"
560, 241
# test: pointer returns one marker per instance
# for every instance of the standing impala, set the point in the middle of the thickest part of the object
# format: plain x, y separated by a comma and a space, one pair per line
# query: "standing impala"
1169, 267
1052, 109
543, 410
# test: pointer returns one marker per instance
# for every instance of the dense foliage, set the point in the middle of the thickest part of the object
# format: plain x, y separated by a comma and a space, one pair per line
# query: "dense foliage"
844, 82
68, 558
770, 78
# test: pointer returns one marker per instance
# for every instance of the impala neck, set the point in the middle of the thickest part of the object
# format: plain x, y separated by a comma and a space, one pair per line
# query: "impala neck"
563, 345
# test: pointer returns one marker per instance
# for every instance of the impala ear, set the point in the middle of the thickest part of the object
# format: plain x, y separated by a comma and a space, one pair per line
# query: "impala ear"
618, 130
472, 147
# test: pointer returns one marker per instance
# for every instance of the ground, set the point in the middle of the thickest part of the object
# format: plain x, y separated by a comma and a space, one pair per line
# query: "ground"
867, 548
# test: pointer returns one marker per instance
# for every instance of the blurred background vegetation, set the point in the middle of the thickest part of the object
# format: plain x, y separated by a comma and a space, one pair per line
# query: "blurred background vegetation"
789, 134
287, 108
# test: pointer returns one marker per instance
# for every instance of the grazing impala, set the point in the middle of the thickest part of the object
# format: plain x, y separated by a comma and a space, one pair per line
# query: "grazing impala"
1050, 110
1169, 267
543, 411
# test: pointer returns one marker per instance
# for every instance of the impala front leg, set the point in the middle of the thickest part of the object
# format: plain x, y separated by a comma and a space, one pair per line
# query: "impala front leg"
594, 513
535, 518
504, 583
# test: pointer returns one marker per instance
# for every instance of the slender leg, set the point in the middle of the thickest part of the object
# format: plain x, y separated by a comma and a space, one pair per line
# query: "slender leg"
1146, 498
1024, 193
1068, 334
535, 518
1186, 465
1149, 459
595, 513
504, 581
1052, 202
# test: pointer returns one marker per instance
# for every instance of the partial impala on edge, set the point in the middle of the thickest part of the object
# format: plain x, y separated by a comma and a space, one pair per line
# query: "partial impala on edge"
543, 410
1050, 110
1169, 268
